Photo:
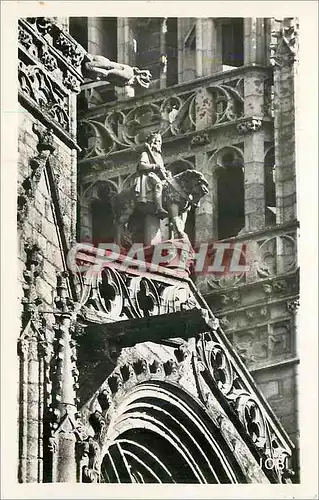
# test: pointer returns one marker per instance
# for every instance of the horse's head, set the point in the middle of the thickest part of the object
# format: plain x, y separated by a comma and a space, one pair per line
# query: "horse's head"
193, 183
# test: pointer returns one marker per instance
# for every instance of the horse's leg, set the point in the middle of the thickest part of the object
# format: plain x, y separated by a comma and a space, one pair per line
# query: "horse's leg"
118, 233
176, 221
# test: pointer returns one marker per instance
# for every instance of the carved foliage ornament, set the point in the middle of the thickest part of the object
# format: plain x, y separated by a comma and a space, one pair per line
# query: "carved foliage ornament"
118, 383
125, 376
47, 94
61, 41
276, 255
31, 300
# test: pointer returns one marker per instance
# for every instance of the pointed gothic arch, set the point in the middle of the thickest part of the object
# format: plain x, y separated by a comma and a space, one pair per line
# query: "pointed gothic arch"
161, 434
228, 194
96, 212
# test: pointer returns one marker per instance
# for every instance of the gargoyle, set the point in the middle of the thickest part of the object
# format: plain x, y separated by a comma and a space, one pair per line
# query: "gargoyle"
118, 74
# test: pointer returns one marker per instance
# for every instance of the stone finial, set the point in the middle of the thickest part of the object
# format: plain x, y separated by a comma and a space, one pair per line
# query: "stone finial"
62, 300
284, 46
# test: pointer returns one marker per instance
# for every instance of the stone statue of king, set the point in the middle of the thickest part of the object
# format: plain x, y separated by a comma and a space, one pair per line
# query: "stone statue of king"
151, 173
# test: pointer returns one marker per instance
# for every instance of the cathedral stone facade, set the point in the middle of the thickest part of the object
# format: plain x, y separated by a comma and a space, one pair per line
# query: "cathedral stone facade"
166, 377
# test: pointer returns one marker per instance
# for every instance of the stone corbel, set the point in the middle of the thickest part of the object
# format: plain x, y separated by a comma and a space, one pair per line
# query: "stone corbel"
249, 125
29, 186
200, 139
293, 305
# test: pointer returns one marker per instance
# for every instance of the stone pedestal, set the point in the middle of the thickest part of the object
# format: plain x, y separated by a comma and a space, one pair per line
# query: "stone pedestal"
172, 254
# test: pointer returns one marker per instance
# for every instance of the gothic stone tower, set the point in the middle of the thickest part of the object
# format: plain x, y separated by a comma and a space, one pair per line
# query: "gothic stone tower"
223, 98
117, 367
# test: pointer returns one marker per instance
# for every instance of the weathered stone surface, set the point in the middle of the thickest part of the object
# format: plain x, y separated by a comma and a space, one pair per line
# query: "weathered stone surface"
253, 308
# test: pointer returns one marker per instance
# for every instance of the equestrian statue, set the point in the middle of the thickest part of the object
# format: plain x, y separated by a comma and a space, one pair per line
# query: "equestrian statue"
156, 196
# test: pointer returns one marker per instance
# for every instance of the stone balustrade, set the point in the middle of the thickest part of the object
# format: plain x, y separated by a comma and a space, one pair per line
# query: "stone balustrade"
183, 110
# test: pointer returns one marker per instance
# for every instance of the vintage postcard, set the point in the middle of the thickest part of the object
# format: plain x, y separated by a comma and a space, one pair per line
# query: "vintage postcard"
159, 241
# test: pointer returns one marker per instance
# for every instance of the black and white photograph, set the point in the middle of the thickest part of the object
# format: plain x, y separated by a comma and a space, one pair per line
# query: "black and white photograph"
157, 284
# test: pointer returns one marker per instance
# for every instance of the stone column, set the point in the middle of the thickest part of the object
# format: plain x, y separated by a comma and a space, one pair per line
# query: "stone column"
208, 47
204, 213
284, 120
186, 53
95, 36
64, 404
254, 181
254, 40
124, 52
31, 399
254, 151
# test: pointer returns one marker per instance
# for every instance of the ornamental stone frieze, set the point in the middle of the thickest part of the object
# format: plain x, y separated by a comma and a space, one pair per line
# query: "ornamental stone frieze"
268, 290
268, 254
49, 73
120, 125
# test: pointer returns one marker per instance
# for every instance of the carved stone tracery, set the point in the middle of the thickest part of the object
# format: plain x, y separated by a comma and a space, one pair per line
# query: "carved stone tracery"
121, 295
123, 126
221, 370
49, 69
215, 372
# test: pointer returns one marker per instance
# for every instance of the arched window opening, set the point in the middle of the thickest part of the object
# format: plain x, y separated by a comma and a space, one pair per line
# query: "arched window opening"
103, 228
171, 51
148, 48
155, 49
163, 436
232, 42
230, 196
270, 187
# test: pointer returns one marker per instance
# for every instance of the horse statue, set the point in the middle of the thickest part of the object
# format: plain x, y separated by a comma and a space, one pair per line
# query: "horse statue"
138, 222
